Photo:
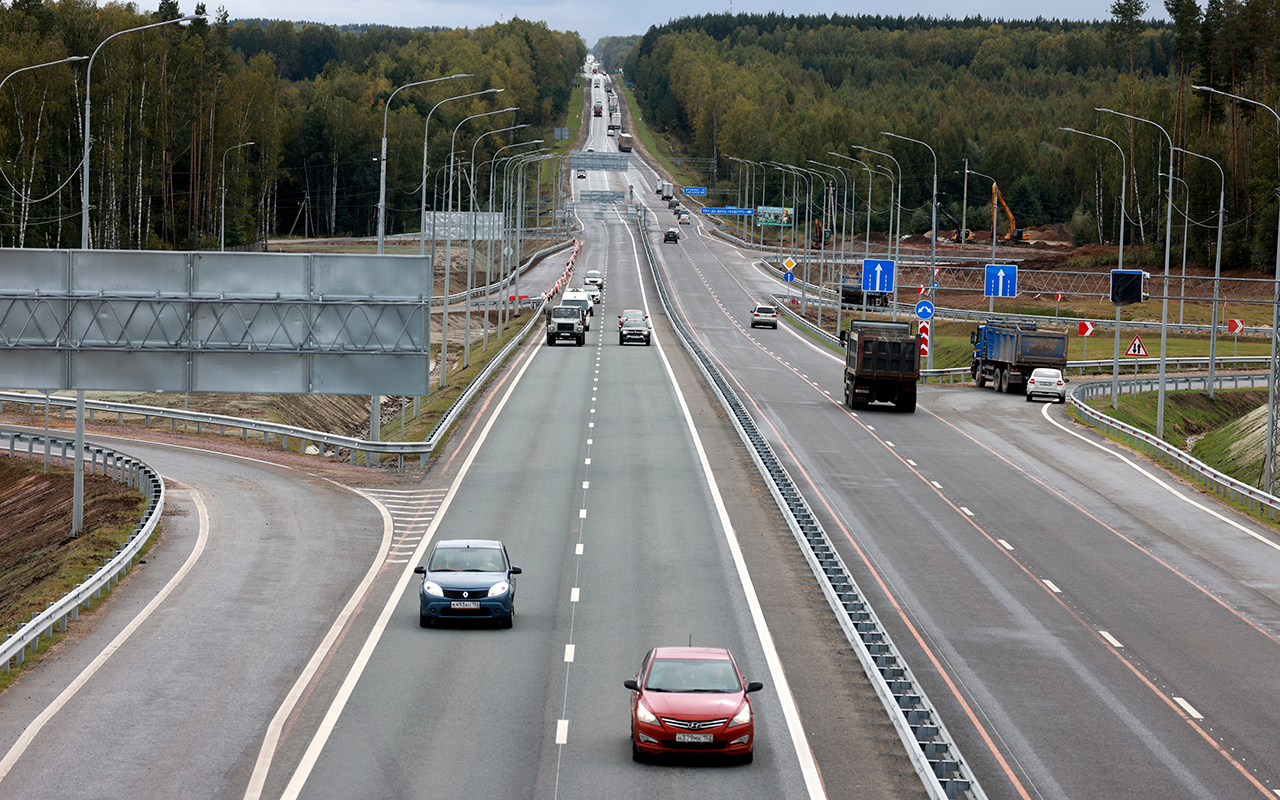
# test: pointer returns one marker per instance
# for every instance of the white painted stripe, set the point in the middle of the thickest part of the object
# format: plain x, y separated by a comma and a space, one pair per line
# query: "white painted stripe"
578, 549
568, 652
909, 461
936, 485
593, 411
582, 513
586, 484
589, 441
398, 560
588, 460
562, 731
1005, 544
888, 443
871, 427
1113, 640
591, 424
29, 735
1052, 587
573, 595
1187, 707
967, 511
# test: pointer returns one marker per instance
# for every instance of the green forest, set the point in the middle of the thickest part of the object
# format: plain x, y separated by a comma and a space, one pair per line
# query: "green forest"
174, 108
794, 89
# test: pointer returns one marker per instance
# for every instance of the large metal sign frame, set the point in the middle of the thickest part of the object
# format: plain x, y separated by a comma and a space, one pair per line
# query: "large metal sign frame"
214, 322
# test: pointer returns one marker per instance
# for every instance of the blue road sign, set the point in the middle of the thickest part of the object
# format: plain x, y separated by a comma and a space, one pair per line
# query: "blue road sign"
1002, 281
924, 309
700, 191
730, 211
789, 277
877, 275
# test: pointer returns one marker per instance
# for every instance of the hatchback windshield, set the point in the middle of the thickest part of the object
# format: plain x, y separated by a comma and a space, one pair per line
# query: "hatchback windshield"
692, 675
570, 312
1044, 374
466, 559
765, 310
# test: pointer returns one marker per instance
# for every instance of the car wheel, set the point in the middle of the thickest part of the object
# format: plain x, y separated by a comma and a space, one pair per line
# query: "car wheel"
636, 753
1028, 398
582, 339
648, 342
621, 341
747, 758
979, 378
507, 622
424, 621
550, 341
1062, 399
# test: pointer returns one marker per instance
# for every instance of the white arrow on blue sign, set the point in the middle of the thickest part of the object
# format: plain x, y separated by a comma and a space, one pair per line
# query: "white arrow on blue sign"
789, 277
877, 275
1002, 281
924, 309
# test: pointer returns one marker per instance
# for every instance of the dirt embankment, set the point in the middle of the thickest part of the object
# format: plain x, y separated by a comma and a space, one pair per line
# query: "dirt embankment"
39, 561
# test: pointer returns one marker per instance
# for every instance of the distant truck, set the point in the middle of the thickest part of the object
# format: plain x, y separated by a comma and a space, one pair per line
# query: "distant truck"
566, 322
1006, 352
624, 143
881, 364
666, 190
597, 109
615, 121
851, 295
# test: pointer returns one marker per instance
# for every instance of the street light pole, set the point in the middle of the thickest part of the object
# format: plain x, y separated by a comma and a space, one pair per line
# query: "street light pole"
382, 179
1168, 242
471, 249
222, 227
1124, 174
1273, 392
502, 276
1217, 263
88, 85
933, 236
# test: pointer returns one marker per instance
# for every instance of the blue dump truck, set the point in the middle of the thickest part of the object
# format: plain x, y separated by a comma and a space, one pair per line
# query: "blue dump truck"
1006, 352
881, 364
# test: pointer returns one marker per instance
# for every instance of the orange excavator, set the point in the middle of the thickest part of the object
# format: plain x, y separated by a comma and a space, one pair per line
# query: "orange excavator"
1015, 233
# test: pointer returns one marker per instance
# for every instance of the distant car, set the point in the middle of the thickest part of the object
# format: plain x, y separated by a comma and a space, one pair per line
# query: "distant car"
682, 218
593, 292
611, 132
1047, 382
591, 149
578, 297
764, 315
582, 173
467, 579
594, 277
691, 700
674, 205
635, 330
631, 313
672, 235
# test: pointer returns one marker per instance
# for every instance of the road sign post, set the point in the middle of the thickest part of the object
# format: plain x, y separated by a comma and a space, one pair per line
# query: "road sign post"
1086, 330
925, 335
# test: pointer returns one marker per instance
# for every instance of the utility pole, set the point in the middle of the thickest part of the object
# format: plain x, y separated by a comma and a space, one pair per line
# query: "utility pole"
964, 207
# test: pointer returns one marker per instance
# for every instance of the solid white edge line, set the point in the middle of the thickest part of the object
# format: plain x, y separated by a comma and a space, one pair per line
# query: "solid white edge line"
29, 735
258, 779
790, 712
312, 754
1044, 412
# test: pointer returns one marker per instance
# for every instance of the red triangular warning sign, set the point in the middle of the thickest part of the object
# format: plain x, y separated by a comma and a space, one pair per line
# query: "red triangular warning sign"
1136, 348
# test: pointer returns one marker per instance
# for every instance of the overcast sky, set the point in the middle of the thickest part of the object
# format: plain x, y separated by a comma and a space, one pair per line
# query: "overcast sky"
599, 18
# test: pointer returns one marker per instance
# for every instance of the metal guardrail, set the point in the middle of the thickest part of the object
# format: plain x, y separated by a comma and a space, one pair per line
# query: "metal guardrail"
305, 436
119, 467
1229, 488
933, 752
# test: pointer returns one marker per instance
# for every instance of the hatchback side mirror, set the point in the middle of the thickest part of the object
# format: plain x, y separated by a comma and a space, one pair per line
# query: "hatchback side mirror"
1065, 379
419, 570
754, 686
631, 684
516, 570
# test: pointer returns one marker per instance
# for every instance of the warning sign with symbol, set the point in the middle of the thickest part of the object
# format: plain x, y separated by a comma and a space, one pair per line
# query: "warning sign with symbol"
1135, 347
924, 337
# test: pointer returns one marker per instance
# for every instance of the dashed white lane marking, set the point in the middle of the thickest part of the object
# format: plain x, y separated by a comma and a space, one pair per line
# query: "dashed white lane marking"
568, 652
586, 484
591, 424
582, 513
888, 443
562, 731
1113, 640
967, 511
870, 428
589, 441
573, 595
588, 460
1005, 544
1190, 709
909, 461
1052, 587
577, 551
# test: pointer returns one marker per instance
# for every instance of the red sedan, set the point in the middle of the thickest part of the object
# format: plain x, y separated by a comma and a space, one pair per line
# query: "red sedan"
691, 700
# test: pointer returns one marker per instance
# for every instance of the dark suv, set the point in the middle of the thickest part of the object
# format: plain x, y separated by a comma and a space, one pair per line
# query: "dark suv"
672, 235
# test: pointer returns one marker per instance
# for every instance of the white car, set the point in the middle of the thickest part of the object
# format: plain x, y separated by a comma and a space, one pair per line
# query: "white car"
593, 292
1049, 383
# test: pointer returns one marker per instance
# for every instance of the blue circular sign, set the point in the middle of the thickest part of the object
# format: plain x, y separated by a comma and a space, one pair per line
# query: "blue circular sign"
924, 309
789, 277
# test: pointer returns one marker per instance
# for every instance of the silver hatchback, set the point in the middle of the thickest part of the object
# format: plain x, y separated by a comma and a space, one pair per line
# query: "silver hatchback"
1047, 382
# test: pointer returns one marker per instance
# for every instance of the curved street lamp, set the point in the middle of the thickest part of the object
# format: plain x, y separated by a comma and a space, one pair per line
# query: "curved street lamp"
933, 236
1168, 241
382, 180
1217, 262
426, 129
88, 83
222, 227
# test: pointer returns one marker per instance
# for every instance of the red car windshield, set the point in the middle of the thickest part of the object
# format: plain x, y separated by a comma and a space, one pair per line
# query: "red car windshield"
692, 675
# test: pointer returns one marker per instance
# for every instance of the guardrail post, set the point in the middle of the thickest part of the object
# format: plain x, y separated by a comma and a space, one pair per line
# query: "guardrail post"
4, 665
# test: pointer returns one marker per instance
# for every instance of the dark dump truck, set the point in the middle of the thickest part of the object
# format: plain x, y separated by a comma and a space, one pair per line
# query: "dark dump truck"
566, 322
1006, 352
881, 364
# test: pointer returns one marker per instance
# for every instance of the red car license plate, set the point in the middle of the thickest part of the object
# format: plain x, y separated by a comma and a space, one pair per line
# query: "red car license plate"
701, 738
465, 604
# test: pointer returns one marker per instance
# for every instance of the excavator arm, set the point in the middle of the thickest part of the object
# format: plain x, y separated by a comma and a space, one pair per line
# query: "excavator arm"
1014, 234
